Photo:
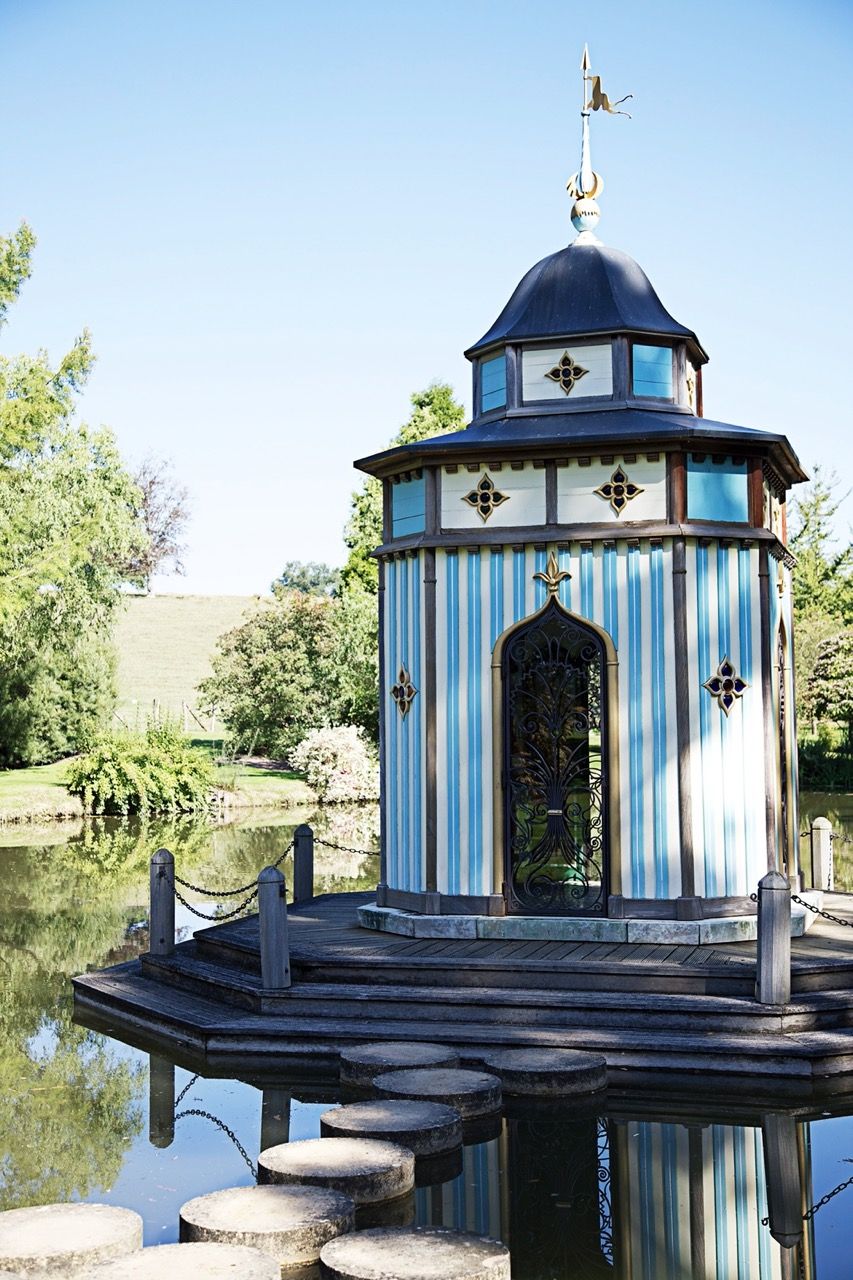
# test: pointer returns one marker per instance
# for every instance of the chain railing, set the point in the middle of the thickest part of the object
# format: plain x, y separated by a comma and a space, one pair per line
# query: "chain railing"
818, 911
823, 1201
220, 1124
345, 848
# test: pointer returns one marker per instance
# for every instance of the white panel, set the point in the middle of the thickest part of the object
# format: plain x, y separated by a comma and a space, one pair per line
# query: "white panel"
629, 889
464, 732
670, 662
525, 491
578, 503
595, 358
486, 885
695, 690
652, 853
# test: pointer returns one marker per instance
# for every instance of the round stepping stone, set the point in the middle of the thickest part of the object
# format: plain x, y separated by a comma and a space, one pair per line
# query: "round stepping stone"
415, 1253
291, 1224
190, 1262
365, 1170
471, 1093
425, 1128
62, 1239
360, 1064
548, 1073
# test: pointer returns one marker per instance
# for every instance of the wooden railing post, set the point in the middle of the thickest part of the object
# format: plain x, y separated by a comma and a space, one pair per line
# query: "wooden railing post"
161, 1101
773, 968
161, 910
303, 864
782, 1174
272, 912
822, 869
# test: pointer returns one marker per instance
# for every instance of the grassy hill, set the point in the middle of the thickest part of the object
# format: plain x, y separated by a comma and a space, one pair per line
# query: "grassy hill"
165, 645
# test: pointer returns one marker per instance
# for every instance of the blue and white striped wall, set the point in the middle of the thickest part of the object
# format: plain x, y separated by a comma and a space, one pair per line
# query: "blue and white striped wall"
404, 782
626, 587
655, 1219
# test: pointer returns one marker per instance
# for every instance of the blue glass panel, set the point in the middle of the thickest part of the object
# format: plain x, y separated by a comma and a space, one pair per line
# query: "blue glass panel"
408, 507
492, 383
717, 490
652, 371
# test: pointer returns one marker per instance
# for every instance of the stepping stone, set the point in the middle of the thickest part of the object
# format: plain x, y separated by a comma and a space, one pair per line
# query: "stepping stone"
415, 1253
63, 1239
190, 1262
425, 1128
548, 1073
401, 1212
360, 1064
365, 1170
291, 1224
471, 1093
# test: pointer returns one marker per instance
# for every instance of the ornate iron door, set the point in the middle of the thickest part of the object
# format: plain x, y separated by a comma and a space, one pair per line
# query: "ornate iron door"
554, 772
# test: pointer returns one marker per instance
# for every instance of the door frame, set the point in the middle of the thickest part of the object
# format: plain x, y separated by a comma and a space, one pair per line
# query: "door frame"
610, 692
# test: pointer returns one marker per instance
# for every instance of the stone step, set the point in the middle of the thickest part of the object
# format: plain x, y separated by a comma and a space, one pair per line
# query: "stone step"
188, 969
165, 1015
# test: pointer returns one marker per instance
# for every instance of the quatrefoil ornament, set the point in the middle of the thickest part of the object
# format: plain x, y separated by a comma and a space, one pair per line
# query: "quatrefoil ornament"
566, 372
618, 491
726, 686
485, 497
403, 692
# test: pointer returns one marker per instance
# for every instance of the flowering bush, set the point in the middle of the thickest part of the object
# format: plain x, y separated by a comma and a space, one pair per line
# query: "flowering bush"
338, 764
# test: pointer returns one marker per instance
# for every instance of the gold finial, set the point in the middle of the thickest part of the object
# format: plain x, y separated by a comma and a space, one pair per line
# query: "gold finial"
553, 575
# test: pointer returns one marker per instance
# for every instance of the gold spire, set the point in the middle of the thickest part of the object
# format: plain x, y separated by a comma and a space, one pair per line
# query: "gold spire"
586, 184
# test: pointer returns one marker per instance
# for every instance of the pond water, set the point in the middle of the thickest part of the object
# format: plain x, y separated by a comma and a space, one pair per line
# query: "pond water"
642, 1187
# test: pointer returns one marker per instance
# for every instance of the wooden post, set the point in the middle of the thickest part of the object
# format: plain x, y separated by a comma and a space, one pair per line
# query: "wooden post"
161, 1101
275, 1118
782, 1171
272, 911
161, 911
823, 876
303, 864
773, 968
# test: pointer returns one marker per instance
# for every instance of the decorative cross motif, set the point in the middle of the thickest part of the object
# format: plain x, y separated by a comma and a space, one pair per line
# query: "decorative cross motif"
553, 576
403, 692
485, 497
567, 372
618, 491
726, 686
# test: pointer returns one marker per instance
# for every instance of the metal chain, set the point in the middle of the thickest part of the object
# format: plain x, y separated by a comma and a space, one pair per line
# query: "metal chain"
227, 893
185, 1090
226, 915
827, 915
220, 1124
824, 1200
345, 848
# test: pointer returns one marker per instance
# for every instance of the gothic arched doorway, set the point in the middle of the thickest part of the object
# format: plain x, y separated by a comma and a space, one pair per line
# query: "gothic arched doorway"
554, 761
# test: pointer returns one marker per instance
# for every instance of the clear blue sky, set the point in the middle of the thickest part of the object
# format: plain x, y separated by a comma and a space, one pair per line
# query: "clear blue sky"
280, 219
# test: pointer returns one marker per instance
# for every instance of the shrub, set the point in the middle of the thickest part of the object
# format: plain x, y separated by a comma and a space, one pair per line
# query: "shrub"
338, 765
155, 772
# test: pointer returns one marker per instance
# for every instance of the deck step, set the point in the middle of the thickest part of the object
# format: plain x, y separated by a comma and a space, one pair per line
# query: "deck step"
134, 1003
190, 969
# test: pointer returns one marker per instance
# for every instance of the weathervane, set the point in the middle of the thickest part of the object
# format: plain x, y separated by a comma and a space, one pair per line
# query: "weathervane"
585, 185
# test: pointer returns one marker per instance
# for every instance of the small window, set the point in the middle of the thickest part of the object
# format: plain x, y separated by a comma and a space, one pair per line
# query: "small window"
717, 489
493, 383
652, 372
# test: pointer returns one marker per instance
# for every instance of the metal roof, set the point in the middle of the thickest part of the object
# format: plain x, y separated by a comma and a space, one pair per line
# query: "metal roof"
601, 429
586, 288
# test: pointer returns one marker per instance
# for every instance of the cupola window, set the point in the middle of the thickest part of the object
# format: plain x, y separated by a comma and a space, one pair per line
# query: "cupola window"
652, 371
493, 383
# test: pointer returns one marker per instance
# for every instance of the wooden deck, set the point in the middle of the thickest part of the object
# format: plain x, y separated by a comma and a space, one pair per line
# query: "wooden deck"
649, 1008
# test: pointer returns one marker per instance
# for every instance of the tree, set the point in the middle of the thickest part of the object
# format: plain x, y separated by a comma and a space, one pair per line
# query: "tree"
435, 412
310, 577
831, 682
69, 538
270, 673
163, 510
823, 581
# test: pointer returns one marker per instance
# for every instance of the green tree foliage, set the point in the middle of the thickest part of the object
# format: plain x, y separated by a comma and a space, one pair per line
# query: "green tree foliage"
155, 772
435, 412
310, 576
823, 614
69, 536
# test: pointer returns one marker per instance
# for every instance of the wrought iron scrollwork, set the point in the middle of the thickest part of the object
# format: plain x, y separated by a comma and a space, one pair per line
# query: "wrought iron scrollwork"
554, 734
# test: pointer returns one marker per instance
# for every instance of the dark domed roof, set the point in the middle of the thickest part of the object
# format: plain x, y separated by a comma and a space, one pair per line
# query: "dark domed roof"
585, 288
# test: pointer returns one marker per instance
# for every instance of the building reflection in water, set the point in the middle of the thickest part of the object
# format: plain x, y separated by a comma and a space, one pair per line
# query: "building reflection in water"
579, 1196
